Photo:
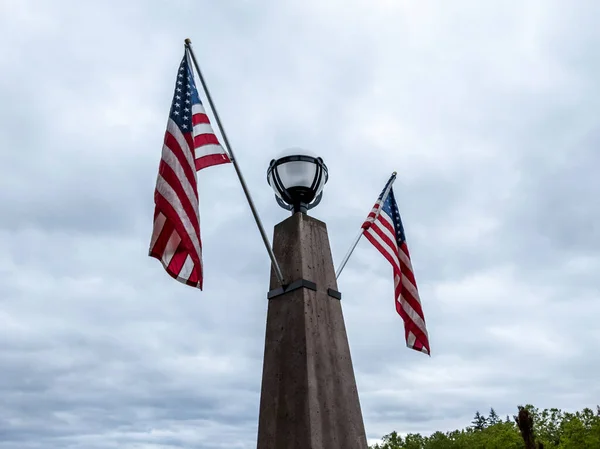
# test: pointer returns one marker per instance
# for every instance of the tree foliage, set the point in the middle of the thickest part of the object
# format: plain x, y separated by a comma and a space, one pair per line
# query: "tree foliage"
552, 429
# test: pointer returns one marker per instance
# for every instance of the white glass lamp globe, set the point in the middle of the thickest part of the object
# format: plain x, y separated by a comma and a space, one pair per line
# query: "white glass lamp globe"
297, 177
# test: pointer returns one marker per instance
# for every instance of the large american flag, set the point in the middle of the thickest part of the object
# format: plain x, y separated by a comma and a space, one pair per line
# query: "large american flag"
190, 144
383, 228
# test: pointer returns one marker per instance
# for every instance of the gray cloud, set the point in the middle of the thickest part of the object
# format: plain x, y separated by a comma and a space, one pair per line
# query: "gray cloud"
488, 115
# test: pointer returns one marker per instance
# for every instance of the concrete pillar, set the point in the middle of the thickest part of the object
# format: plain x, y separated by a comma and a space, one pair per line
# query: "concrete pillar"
309, 398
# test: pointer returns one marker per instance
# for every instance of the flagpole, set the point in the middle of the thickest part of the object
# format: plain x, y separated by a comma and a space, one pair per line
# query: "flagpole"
362, 230
276, 267
349, 253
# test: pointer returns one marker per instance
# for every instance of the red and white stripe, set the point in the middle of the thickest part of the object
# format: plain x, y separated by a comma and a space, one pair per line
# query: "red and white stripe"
208, 151
176, 233
379, 230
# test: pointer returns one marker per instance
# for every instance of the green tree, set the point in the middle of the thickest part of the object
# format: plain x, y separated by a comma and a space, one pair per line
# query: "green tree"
493, 418
439, 440
552, 429
479, 421
580, 430
502, 435
572, 433
414, 441
390, 441
547, 427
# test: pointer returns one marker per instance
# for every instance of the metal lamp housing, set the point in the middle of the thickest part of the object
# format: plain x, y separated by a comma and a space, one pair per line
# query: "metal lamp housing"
297, 180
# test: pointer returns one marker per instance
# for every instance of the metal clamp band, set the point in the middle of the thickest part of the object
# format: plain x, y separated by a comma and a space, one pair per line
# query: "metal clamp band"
300, 283
334, 293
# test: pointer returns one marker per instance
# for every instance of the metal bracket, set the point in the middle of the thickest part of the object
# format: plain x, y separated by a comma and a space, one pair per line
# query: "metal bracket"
300, 283
334, 293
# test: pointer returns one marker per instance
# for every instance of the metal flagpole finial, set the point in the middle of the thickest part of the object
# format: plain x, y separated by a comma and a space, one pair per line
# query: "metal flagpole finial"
188, 41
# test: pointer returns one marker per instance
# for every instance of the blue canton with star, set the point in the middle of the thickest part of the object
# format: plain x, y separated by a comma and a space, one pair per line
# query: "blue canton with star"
184, 97
391, 209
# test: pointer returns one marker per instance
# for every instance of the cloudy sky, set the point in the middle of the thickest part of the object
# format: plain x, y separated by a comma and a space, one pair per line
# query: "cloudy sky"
487, 110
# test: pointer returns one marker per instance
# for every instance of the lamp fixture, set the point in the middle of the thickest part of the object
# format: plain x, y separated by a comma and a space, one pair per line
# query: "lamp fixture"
297, 178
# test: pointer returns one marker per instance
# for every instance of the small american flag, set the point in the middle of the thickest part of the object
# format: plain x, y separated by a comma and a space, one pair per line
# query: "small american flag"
383, 228
190, 144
